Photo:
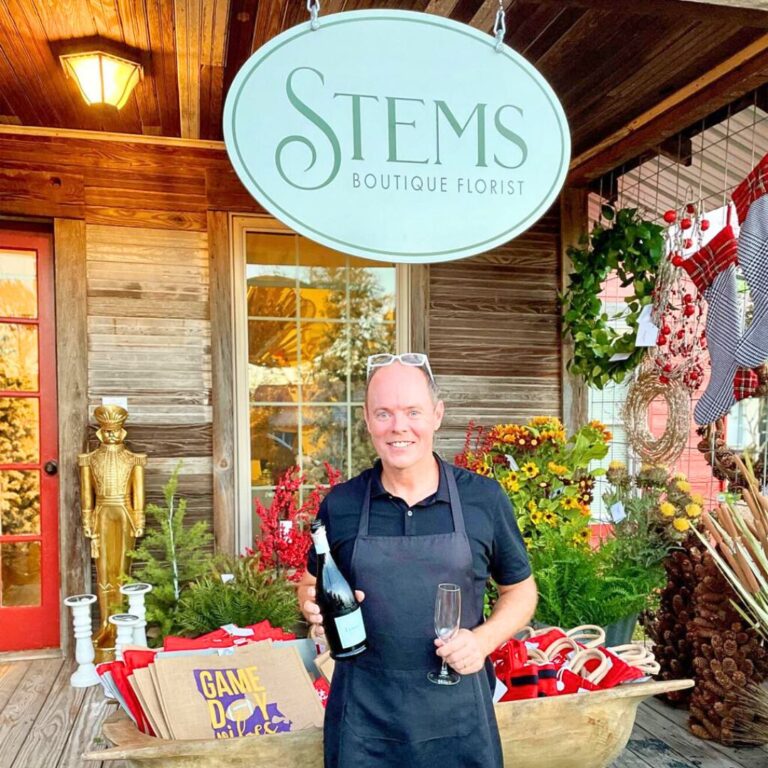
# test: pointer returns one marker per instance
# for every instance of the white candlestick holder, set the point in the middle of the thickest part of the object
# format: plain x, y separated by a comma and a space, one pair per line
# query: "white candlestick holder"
125, 623
136, 607
85, 675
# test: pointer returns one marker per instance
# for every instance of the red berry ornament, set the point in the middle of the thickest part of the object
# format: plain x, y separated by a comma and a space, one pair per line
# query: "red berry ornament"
677, 260
670, 216
687, 298
688, 310
662, 340
704, 224
664, 379
686, 224
687, 243
690, 208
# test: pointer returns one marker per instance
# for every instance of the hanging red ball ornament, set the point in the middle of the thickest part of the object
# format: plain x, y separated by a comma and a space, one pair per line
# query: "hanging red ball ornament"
704, 224
677, 260
662, 340
690, 208
687, 243
687, 298
670, 216
686, 223
689, 310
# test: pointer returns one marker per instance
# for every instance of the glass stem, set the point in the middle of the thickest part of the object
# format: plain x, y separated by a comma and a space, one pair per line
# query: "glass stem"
444, 669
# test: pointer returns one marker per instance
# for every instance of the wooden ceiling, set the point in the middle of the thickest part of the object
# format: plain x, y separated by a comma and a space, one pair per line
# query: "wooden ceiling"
608, 61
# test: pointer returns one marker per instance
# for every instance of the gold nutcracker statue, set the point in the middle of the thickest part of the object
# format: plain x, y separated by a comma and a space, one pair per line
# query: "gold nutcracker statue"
112, 503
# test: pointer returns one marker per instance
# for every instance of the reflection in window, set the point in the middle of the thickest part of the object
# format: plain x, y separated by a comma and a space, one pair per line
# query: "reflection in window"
314, 316
18, 283
19, 502
20, 573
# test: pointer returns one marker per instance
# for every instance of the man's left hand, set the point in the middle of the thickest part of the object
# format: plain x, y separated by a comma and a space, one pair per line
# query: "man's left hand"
463, 652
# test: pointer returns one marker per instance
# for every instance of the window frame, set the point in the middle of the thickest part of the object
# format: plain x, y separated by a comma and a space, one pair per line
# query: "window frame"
240, 227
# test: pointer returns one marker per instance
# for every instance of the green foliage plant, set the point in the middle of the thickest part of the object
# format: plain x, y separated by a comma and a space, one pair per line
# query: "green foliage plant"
170, 557
579, 584
251, 596
632, 248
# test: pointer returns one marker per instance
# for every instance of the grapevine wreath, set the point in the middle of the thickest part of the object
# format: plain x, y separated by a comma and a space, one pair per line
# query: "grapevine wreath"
633, 248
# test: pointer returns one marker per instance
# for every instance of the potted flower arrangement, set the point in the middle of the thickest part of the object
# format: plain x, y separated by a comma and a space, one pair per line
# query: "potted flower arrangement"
655, 509
546, 474
550, 483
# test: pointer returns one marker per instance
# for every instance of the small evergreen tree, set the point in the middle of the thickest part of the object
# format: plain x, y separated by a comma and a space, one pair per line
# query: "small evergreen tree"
170, 556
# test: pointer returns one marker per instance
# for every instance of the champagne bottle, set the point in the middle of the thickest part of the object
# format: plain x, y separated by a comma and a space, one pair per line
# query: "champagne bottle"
342, 617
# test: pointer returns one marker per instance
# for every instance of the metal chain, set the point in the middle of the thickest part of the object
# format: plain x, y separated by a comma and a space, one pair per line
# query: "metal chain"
499, 26
313, 6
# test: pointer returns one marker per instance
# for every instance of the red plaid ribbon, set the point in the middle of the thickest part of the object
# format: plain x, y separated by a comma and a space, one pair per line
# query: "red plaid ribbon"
745, 383
752, 188
708, 262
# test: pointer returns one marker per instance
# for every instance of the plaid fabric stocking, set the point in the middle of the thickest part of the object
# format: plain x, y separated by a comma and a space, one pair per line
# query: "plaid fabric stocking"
745, 384
713, 270
751, 189
752, 349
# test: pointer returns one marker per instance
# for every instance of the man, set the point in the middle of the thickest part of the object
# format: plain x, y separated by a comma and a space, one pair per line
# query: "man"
396, 531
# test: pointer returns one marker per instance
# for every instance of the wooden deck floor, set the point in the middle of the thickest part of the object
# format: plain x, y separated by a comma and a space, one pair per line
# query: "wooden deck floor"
45, 723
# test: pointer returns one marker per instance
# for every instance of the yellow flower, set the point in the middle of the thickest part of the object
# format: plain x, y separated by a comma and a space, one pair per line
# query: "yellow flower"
550, 518
683, 485
680, 476
530, 469
569, 503
536, 517
692, 510
697, 498
681, 524
585, 510
667, 509
616, 464
532, 506
557, 469
511, 483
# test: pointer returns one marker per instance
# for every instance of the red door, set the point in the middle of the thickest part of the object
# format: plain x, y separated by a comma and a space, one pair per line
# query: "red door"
29, 572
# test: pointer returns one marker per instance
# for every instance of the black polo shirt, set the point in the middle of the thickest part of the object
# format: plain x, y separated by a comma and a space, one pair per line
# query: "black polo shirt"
494, 537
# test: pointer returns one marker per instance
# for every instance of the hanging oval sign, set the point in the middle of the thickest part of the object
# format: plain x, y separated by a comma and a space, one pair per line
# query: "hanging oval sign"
397, 136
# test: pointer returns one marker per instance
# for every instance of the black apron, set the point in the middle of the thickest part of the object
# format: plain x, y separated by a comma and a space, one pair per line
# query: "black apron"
382, 710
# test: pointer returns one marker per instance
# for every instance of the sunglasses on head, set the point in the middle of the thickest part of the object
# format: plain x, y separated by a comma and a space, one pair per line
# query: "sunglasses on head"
414, 359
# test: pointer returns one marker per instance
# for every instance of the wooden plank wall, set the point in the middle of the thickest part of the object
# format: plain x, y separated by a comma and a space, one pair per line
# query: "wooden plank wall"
149, 339
144, 209
494, 324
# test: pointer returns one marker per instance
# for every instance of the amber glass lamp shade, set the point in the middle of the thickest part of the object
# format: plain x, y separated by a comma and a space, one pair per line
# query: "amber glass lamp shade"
102, 77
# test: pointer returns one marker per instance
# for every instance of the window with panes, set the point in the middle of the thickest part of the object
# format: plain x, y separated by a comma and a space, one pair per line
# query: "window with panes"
314, 316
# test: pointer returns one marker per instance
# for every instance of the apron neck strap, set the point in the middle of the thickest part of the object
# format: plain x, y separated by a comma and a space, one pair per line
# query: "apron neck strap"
444, 470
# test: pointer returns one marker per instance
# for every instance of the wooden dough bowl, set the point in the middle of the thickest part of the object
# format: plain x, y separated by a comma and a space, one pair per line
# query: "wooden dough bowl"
587, 730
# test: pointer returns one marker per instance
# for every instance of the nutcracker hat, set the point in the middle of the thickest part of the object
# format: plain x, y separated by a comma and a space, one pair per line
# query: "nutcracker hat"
110, 417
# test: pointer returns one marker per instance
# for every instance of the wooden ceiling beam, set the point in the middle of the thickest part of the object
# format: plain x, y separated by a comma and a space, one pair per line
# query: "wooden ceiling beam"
269, 22
201, 41
188, 22
736, 76
441, 7
485, 16
686, 11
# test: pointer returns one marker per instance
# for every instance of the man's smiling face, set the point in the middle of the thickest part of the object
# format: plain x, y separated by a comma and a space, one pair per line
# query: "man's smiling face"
401, 415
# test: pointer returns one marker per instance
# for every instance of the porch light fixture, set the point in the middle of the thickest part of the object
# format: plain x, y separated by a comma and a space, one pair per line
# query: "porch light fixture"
102, 78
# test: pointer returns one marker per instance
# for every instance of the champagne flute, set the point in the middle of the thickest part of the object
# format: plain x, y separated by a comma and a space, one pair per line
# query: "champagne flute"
447, 623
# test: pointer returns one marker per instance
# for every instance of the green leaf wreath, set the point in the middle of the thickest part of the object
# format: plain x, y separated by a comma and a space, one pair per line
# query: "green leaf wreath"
633, 248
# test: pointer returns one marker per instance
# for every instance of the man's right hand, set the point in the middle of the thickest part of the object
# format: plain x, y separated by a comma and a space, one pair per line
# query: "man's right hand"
311, 609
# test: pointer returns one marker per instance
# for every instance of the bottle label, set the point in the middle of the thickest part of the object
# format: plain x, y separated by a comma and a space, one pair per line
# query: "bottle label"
320, 540
351, 628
